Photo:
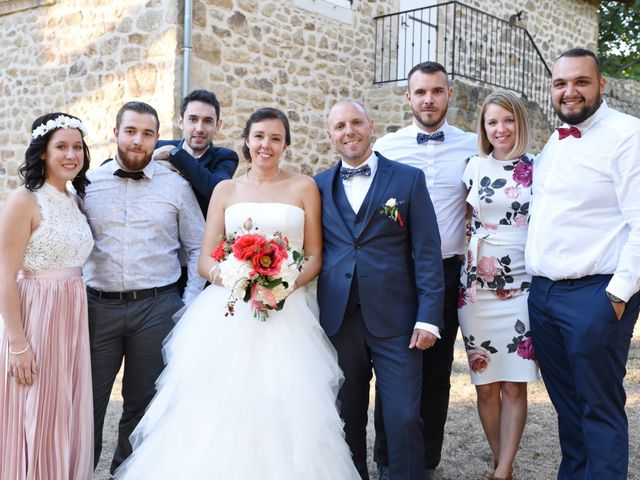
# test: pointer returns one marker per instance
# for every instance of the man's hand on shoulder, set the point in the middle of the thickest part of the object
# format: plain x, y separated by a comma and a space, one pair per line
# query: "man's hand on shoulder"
422, 339
168, 165
162, 153
161, 156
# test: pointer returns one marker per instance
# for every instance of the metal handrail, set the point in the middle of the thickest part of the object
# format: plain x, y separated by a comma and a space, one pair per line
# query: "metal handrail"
470, 43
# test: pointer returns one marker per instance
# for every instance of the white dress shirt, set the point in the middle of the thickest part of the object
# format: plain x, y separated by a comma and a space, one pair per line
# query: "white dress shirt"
356, 189
585, 212
443, 165
138, 227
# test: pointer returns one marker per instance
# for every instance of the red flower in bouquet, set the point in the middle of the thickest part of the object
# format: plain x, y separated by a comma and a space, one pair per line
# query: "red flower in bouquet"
246, 246
268, 260
219, 253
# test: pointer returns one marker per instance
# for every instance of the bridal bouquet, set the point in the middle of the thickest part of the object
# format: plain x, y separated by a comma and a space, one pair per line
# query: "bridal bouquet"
260, 269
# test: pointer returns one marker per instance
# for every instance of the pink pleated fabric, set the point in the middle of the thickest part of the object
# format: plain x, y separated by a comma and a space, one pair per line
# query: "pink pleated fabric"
47, 428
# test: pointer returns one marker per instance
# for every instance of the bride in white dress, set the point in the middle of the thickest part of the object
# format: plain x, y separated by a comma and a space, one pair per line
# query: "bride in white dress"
240, 398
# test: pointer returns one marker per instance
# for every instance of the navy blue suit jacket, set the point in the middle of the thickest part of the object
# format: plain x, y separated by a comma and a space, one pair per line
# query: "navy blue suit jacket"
215, 165
399, 268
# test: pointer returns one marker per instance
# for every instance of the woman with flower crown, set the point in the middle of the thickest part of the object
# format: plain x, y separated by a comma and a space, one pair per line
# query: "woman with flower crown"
46, 409
492, 305
250, 392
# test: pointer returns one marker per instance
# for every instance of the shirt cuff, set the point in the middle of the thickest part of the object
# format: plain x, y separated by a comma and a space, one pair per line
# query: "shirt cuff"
620, 288
429, 328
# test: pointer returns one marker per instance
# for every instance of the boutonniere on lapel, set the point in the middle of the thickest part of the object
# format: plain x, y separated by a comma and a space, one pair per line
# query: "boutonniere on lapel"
390, 210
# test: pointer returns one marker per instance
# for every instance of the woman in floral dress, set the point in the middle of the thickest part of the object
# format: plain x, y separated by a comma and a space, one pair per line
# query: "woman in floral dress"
493, 300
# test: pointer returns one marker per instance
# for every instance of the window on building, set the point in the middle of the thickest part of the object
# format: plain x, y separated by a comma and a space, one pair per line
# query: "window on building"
336, 9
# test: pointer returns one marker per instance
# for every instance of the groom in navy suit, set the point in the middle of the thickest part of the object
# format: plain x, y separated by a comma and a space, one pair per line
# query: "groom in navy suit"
380, 287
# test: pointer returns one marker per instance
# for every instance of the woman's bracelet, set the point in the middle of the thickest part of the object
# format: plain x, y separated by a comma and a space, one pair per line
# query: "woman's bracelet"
21, 351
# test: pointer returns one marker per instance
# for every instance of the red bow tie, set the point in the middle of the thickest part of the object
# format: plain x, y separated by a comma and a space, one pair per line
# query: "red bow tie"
566, 132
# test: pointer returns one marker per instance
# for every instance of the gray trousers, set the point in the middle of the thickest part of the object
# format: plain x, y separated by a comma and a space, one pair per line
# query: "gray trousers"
134, 331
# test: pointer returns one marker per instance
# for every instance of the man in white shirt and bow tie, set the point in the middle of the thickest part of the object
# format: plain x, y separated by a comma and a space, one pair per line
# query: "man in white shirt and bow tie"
439, 150
583, 250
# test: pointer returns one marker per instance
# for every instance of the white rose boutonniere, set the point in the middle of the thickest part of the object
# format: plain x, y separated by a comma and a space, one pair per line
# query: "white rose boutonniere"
390, 210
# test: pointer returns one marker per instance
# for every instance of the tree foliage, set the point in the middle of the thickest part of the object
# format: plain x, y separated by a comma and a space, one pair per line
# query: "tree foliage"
619, 38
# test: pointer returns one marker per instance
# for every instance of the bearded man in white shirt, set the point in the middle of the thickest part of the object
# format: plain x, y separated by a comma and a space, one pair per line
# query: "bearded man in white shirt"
440, 151
583, 250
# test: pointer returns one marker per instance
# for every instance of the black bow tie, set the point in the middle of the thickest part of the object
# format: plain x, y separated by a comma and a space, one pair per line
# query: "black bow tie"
434, 137
347, 173
139, 175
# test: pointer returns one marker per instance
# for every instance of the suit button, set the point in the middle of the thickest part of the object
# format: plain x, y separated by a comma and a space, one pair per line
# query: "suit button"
348, 275
358, 247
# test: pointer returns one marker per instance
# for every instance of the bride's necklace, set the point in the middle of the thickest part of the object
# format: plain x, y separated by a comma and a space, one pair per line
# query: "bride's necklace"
260, 180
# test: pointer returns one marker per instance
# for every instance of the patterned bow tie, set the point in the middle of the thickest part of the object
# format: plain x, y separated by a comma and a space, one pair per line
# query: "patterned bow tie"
347, 173
566, 132
132, 175
434, 137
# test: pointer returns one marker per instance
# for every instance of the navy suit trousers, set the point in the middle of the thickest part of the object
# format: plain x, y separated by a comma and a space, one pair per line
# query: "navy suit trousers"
399, 377
582, 349
436, 378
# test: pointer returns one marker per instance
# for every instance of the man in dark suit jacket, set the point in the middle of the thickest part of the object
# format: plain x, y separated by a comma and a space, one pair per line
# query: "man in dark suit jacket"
195, 157
380, 287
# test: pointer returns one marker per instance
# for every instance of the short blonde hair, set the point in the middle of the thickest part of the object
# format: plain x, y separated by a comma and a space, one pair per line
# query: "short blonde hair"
512, 103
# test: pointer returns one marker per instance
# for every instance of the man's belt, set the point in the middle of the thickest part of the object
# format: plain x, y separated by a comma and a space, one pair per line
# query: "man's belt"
131, 295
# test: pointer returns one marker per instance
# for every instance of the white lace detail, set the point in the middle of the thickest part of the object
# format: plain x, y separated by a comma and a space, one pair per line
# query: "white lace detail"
63, 237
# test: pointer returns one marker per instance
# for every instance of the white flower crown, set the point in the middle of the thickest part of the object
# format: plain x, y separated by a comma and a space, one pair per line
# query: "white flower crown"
61, 121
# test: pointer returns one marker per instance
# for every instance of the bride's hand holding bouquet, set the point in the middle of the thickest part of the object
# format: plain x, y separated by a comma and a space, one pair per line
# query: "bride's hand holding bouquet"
261, 269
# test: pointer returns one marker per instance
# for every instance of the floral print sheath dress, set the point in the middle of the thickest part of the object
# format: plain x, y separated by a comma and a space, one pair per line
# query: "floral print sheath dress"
493, 299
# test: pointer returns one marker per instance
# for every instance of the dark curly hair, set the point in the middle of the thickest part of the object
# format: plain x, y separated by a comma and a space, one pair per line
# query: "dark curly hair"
259, 115
32, 171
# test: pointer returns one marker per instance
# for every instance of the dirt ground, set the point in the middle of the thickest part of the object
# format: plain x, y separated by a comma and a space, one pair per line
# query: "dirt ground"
466, 454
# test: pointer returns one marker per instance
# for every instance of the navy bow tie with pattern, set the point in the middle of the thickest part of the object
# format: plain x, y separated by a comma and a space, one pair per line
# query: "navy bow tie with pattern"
132, 175
347, 173
434, 137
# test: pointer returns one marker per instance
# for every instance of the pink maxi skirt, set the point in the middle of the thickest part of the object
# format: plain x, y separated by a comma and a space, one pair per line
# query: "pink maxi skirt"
47, 428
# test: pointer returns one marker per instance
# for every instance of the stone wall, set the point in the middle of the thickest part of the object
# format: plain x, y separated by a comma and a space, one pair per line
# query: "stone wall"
555, 25
271, 53
623, 95
86, 58
89, 56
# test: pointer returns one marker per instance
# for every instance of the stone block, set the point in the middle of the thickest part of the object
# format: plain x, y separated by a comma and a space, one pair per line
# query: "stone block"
238, 23
131, 54
78, 69
248, 5
268, 9
259, 84
226, 4
199, 14
207, 48
124, 25
141, 80
149, 20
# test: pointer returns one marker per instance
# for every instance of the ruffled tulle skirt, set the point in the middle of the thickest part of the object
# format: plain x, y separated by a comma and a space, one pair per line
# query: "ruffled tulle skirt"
244, 399
47, 428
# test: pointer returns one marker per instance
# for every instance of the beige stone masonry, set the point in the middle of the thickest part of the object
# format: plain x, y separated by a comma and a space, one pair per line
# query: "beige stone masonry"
87, 57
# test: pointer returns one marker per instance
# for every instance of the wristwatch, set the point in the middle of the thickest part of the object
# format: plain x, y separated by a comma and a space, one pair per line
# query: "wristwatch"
613, 298
174, 151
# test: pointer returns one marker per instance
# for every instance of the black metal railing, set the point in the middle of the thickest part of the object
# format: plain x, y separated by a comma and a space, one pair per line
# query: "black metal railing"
470, 43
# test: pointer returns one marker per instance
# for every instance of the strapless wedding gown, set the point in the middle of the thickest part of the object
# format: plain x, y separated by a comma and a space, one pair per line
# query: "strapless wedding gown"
243, 399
